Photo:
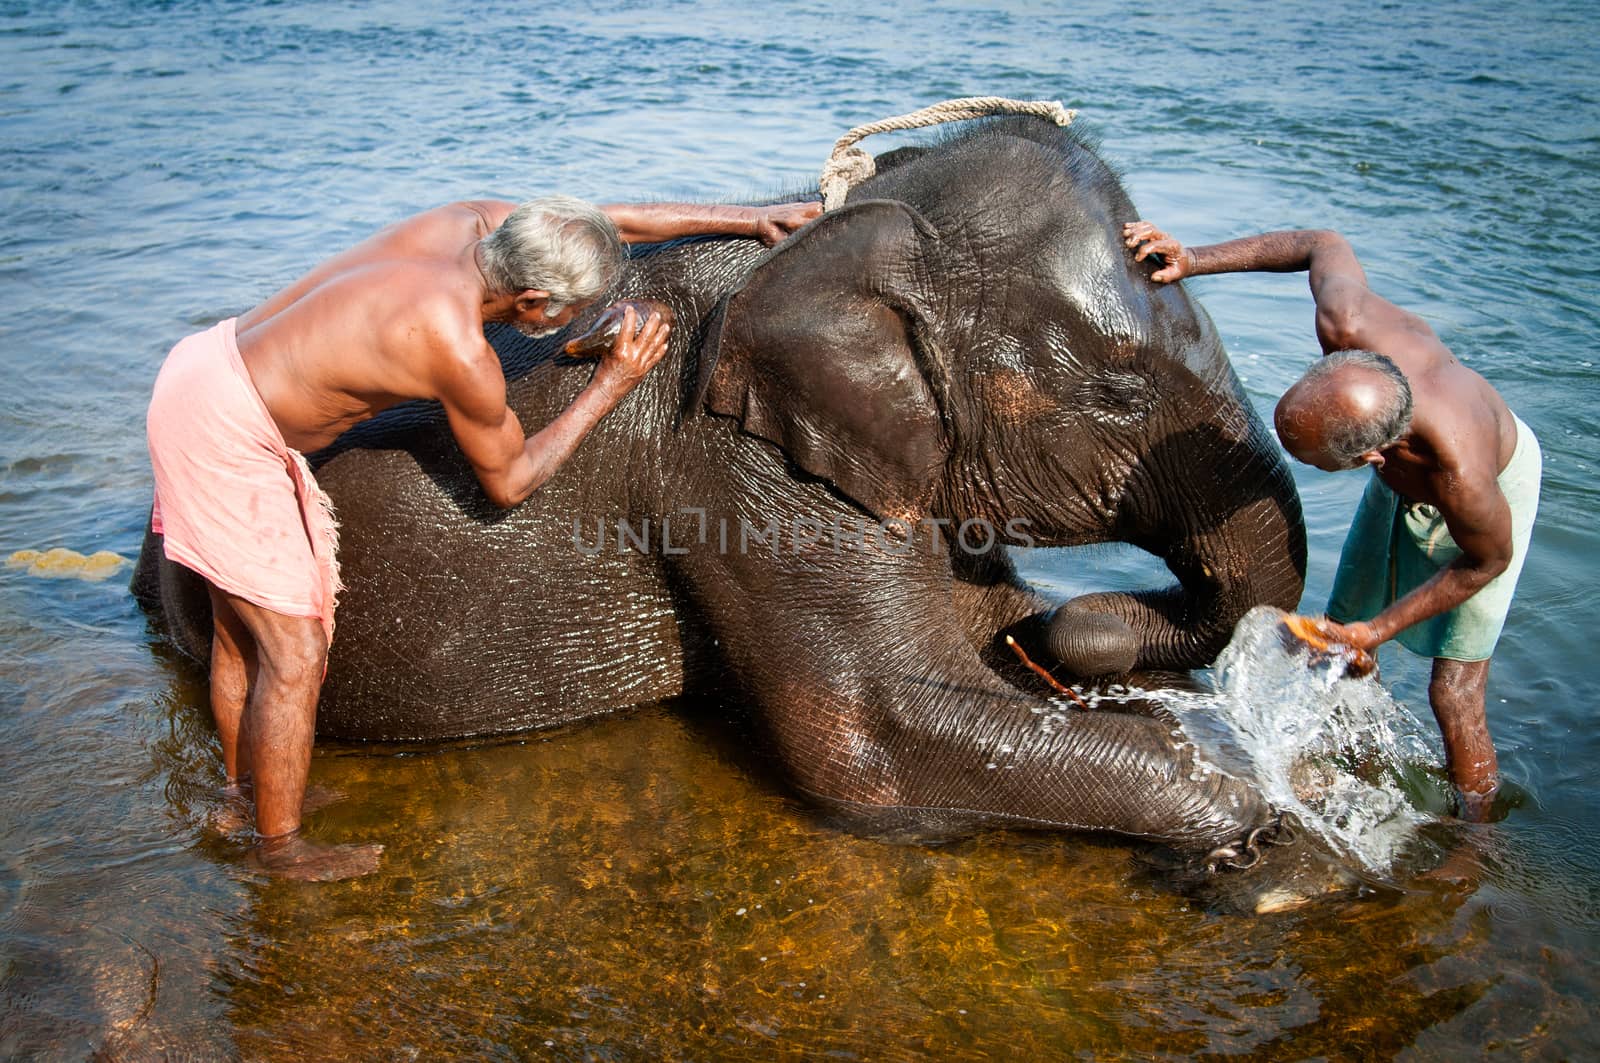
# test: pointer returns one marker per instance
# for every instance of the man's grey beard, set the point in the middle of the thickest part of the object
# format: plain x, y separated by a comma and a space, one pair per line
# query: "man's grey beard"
535, 333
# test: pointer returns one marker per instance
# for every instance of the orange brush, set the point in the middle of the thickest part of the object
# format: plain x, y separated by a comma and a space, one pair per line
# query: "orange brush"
608, 326
1309, 632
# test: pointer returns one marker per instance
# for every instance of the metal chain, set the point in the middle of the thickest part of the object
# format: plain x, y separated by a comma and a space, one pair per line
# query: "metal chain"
1282, 831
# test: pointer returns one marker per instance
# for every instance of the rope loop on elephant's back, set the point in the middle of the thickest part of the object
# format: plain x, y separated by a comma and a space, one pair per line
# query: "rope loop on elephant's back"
849, 165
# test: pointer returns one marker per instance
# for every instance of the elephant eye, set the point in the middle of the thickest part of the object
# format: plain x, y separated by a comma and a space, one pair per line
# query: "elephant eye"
1120, 398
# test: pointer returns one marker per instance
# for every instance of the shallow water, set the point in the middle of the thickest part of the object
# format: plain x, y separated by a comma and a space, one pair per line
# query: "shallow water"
642, 888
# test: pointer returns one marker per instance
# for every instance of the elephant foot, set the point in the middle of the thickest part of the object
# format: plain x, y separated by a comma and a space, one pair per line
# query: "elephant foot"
1090, 643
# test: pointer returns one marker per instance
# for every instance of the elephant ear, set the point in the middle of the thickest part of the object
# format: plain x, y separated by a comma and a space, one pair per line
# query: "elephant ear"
815, 353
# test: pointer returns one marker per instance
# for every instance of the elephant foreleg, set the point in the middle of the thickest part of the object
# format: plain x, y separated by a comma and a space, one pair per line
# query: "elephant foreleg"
909, 719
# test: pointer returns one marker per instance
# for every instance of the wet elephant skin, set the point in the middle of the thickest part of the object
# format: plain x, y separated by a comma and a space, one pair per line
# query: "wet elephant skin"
964, 344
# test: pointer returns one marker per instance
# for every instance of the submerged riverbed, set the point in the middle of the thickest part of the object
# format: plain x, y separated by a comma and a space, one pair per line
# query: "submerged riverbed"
644, 888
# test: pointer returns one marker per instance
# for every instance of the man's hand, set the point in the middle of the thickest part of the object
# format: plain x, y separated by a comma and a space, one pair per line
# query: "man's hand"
1358, 636
637, 349
1325, 639
601, 336
1152, 241
777, 222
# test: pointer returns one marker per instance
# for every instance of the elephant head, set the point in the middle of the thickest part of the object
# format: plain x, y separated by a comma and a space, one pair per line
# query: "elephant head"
968, 339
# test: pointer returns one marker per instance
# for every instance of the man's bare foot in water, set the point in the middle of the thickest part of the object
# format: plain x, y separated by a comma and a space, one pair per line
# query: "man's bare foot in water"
1477, 807
291, 856
237, 811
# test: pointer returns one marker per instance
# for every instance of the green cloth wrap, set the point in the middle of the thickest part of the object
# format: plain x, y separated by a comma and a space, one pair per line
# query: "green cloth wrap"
1394, 547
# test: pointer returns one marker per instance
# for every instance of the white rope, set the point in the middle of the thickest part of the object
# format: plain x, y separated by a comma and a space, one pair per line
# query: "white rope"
849, 165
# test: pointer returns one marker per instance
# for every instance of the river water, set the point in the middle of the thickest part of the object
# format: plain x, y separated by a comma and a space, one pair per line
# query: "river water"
633, 890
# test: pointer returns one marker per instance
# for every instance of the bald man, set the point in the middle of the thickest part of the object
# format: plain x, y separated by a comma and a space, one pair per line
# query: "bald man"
1434, 551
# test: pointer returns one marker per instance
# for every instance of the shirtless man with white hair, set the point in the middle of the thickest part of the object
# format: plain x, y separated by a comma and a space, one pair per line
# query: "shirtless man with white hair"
397, 317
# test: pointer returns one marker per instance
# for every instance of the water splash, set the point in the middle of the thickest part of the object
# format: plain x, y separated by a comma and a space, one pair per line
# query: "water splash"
1327, 746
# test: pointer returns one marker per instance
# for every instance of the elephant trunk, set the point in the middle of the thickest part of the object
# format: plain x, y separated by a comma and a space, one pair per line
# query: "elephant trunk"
1229, 526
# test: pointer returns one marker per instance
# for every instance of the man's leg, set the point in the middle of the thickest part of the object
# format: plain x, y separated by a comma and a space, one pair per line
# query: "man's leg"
1456, 693
233, 669
275, 735
233, 666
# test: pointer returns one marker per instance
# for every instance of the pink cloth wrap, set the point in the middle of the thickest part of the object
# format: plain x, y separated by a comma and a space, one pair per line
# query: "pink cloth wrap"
232, 501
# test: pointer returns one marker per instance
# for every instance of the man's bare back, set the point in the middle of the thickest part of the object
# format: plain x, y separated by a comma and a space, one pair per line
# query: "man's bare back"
1461, 432
367, 329
400, 316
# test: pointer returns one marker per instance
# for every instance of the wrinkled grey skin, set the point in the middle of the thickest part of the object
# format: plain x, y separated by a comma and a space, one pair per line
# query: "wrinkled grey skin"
966, 339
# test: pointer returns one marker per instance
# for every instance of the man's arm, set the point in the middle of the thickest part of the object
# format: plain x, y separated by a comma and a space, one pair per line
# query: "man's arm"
649, 223
509, 466
1349, 314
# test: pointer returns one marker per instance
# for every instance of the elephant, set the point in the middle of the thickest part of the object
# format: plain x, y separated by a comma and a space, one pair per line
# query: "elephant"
805, 510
